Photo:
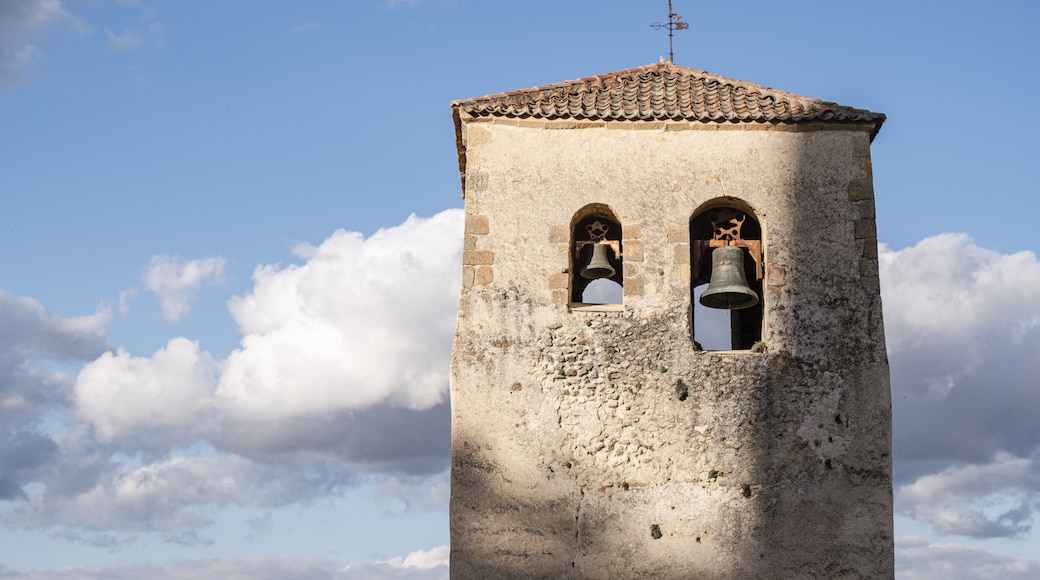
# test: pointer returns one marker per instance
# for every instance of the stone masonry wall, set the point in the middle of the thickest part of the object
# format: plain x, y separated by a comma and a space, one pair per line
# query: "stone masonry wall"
601, 444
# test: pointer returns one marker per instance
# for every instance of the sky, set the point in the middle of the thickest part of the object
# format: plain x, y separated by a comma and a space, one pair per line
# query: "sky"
230, 254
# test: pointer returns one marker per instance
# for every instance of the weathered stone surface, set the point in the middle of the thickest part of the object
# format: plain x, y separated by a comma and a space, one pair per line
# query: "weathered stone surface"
477, 257
477, 224
634, 251
601, 443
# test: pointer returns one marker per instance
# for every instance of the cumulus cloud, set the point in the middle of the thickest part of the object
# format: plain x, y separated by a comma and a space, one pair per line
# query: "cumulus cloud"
363, 322
963, 330
175, 281
336, 353
34, 344
341, 373
166, 397
995, 499
22, 26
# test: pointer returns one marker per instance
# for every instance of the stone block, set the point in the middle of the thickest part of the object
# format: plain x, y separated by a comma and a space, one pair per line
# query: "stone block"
860, 189
631, 232
634, 287
476, 180
477, 258
870, 248
649, 126
865, 229
560, 280
861, 144
679, 235
776, 275
872, 284
484, 276
633, 251
477, 135
477, 224
868, 267
469, 242
560, 297
865, 209
559, 234
682, 254
467, 276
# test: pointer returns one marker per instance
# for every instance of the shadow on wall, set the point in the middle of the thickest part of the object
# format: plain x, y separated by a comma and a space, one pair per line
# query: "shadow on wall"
490, 514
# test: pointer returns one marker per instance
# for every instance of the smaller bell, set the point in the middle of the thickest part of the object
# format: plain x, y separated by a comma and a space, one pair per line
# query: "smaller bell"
728, 288
599, 266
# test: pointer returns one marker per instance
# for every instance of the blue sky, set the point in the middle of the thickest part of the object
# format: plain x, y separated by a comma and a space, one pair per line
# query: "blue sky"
203, 205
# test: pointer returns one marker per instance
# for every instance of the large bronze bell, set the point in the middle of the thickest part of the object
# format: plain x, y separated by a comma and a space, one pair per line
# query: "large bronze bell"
599, 266
728, 288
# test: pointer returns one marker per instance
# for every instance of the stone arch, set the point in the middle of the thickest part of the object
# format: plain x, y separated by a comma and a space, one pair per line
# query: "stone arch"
588, 224
718, 222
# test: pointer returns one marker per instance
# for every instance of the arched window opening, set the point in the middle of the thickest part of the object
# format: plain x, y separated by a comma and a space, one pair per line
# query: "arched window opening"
596, 267
729, 323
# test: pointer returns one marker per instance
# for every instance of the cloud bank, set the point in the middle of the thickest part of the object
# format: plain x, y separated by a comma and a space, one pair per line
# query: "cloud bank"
341, 376
963, 331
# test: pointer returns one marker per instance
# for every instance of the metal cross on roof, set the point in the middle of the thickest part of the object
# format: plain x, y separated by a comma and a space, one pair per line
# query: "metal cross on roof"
675, 22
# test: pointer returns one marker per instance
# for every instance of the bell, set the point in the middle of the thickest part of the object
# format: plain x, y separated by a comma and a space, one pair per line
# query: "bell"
728, 287
599, 266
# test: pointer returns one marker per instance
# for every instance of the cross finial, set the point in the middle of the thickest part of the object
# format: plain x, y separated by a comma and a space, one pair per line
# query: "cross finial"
675, 22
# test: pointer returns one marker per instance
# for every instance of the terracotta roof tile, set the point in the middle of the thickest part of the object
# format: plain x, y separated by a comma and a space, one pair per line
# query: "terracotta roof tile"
663, 91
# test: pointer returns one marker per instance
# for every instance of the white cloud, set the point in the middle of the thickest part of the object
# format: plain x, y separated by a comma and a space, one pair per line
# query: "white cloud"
342, 367
423, 559
957, 303
362, 322
175, 281
964, 345
34, 344
152, 497
995, 499
124, 300
22, 27
916, 559
343, 357
420, 565
167, 397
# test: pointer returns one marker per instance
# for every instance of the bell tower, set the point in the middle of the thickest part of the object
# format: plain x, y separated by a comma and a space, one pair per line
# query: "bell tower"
599, 428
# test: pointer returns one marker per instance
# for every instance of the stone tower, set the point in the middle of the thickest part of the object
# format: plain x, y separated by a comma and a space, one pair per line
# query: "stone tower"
592, 436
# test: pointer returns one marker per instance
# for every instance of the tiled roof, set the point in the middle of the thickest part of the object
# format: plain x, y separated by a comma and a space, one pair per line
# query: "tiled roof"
663, 91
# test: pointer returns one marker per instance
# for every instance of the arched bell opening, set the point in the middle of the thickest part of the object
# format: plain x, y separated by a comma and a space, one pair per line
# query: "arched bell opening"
726, 270
596, 266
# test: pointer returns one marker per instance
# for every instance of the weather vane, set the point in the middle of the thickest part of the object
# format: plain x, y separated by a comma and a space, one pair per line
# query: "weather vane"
675, 22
